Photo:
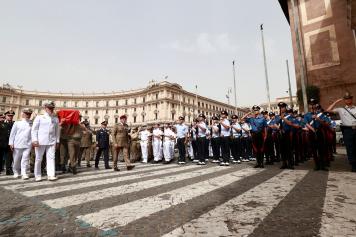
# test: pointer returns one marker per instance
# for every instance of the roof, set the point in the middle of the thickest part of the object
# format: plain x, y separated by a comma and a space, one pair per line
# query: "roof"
284, 6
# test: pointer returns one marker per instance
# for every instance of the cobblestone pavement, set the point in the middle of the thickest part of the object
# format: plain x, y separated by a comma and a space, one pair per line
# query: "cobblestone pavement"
190, 200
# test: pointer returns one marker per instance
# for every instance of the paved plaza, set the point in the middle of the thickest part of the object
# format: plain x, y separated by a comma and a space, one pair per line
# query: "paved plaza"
191, 200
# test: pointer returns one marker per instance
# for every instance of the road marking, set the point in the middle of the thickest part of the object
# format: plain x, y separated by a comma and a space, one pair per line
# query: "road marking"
339, 212
125, 189
82, 178
241, 215
51, 190
123, 214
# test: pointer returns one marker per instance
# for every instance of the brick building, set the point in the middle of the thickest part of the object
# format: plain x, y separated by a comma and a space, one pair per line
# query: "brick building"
328, 44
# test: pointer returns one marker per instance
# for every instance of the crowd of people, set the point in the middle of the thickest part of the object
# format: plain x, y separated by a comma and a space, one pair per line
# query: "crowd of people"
288, 137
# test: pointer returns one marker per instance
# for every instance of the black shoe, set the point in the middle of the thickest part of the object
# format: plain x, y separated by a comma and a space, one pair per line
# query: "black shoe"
291, 167
63, 169
88, 165
130, 167
70, 170
74, 170
96, 167
316, 168
256, 166
262, 166
166, 162
116, 169
108, 167
283, 167
353, 169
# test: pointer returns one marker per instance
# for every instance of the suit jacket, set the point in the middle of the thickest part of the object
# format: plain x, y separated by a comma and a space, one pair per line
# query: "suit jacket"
4, 138
121, 135
102, 138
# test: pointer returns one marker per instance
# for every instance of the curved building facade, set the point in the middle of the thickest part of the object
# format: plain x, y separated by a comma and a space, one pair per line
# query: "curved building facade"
159, 101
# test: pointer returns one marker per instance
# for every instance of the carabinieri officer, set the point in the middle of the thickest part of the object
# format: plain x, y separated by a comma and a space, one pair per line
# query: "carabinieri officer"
259, 133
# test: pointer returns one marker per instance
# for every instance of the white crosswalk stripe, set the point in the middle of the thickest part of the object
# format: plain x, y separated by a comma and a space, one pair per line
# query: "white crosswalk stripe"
123, 214
244, 212
26, 184
339, 212
126, 189
93, 183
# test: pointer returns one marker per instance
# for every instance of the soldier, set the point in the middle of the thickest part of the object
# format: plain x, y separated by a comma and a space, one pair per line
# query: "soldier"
285, 122
201, 136
225, 138
102, 145
9, 115
259, 133
236, 139
45, 139
20, 144
135, 154
348, 118
144, 136
193, 139
121, 142
215, 139
74, 136
182, 139
86, 143
246, 141
168, 136
157, 143
3, 141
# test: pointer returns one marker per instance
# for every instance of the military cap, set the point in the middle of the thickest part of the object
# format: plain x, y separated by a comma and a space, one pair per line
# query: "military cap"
318, 106
50, 104
201, 115
271, 114
224, 113
234, 116
282, 105
256, 108
312, 101
181, 118
10, 113
27, 111
104, 123
347, 96
215, 118
264, 112
123, 117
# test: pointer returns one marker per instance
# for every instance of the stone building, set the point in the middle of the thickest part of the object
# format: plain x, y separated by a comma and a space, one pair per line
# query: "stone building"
274, 104
327, 32
160, 102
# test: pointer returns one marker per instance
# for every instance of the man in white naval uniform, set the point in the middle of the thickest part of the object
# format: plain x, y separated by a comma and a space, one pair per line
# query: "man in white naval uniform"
20, 144
144, 137
45, 138
157, 143
168, 143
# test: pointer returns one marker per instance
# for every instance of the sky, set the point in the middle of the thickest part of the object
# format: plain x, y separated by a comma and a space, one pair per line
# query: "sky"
111, 45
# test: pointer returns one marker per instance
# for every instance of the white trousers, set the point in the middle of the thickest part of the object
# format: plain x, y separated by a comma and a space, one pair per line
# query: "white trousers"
144, 150
157, 150
172, 149
21, 160
167, 150
50, 159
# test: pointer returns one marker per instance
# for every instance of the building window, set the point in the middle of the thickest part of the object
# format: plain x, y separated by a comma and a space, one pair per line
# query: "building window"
156, 116
172, 96
143, 118
157, 96
86, 111
134, 109
173, 116
144, 99
40, 103
97, 104
117, 103
4, 99
27, 102
125, 111
135, 101
202, 105
134, 119
126, 102
116, 120
143, 108
87, 104
107, 103
156, 106
64, 103
107, 111
96, 112
116, 111
198, 104
76, 104
96, 121
172, 106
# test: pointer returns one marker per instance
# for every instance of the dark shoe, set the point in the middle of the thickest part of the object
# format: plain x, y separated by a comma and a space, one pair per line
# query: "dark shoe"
324, 169
88, 165
74, 170
70, 170
283, 167
96, 167
130, 167
63, 169
316, 168
108, 168
262, 166
256, 166
116, 169
166, 162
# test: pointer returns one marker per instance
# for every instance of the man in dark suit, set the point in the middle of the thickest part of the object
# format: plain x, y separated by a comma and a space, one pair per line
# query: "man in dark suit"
102, 145
9, 116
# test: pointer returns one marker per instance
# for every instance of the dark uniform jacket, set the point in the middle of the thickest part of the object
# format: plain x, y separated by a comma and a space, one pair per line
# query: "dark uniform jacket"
5, 130
102, 138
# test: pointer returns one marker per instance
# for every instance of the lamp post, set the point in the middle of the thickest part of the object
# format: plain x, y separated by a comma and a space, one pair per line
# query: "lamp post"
265, 63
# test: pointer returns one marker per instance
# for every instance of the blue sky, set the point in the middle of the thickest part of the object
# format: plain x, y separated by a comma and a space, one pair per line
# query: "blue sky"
87, 45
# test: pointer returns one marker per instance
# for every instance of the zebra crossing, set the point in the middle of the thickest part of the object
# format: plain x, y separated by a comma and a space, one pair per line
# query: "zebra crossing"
189, 200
